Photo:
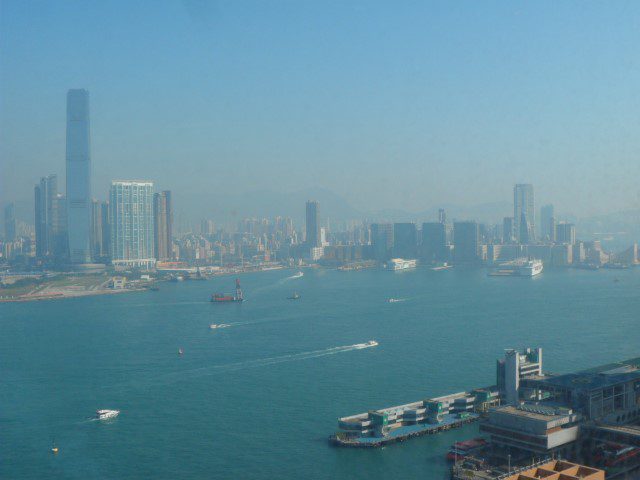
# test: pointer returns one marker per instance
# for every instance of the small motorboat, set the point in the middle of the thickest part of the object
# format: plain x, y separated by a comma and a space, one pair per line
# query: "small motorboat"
105, 414
215, 326
295, 296
180, 351
371, 343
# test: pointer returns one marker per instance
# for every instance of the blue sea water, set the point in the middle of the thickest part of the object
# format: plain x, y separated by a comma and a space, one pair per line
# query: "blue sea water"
258, 399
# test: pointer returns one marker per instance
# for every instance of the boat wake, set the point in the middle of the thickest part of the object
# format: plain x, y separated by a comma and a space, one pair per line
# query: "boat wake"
263, 362
396, 300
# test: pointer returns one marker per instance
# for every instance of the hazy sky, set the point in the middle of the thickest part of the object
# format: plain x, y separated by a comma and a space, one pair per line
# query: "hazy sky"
389, 104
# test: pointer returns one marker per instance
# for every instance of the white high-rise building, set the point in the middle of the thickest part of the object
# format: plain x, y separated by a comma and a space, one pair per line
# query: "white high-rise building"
78, 176
131, 218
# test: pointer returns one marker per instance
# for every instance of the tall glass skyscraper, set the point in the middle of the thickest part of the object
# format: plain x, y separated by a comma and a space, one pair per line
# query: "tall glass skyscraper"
312, 225
78, 176
163, 225
523, 212
131, 219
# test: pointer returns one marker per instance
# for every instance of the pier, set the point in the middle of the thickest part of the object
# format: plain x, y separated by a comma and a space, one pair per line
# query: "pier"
377, 428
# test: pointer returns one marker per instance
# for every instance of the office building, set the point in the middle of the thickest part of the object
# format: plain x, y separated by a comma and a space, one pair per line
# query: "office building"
9, 222
405, 240
163, 224
45, 194
434, 242
566, 233
131, 220
207, 227
97, 236
442, 216
466, 239
382, 241
106, 230
312, 225
78, 165
524, 213
547, 223
508, 235
59, 228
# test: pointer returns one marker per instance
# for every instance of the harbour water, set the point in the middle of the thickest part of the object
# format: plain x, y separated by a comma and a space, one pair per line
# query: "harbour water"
258, 399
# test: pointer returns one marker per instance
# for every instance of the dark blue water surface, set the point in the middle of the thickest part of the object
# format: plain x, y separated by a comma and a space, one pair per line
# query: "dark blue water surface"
257, 400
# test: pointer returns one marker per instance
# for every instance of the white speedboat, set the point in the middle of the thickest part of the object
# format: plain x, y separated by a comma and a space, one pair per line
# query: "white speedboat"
214, 326
371, 343
104, 414
394, 300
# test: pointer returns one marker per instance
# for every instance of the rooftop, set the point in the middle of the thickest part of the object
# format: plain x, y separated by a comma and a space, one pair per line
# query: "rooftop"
596, 378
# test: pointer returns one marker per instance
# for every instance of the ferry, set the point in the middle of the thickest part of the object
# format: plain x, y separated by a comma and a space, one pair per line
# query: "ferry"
105, 414
521, 268
226, 298
530, 268
401, 264
461, 449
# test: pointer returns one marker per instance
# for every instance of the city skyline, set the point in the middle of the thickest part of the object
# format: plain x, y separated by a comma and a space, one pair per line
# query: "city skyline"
460, 124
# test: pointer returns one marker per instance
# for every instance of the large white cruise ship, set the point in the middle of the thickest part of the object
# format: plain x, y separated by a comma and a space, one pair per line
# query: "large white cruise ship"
401, 264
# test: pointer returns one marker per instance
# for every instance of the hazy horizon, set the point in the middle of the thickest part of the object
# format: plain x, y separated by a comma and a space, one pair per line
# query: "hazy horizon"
391, 107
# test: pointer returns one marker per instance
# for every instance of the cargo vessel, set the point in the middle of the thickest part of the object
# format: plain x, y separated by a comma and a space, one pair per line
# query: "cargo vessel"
227, 298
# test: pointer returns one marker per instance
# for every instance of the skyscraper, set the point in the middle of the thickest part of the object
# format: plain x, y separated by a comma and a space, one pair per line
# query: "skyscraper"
96, 230
106, 229
78, 176
131, 219
45, 194
466, 237
523, 211
312, 225
508, 235
9, 222
566, 233
382, 240
546, 222
405, 240
163, 222
442, 215
434, 242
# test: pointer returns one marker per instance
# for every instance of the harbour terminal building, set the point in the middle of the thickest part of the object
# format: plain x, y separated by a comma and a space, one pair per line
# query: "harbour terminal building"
591, 417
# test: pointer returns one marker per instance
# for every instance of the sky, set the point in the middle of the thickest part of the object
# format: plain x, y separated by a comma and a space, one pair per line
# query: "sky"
391, 105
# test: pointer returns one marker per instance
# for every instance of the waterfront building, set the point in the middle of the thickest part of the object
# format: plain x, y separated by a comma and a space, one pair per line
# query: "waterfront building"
78, 164
9, 222
312, 225
131, 219
382, 241
442, 216
547, 222
466, 238
513, 368
45, 194
434, 242
566, 233
163, 224
524, 212
536, 429
405, 240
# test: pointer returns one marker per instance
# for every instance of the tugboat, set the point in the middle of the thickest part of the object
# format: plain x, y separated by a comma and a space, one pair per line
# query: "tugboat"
226, 298
295, 296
